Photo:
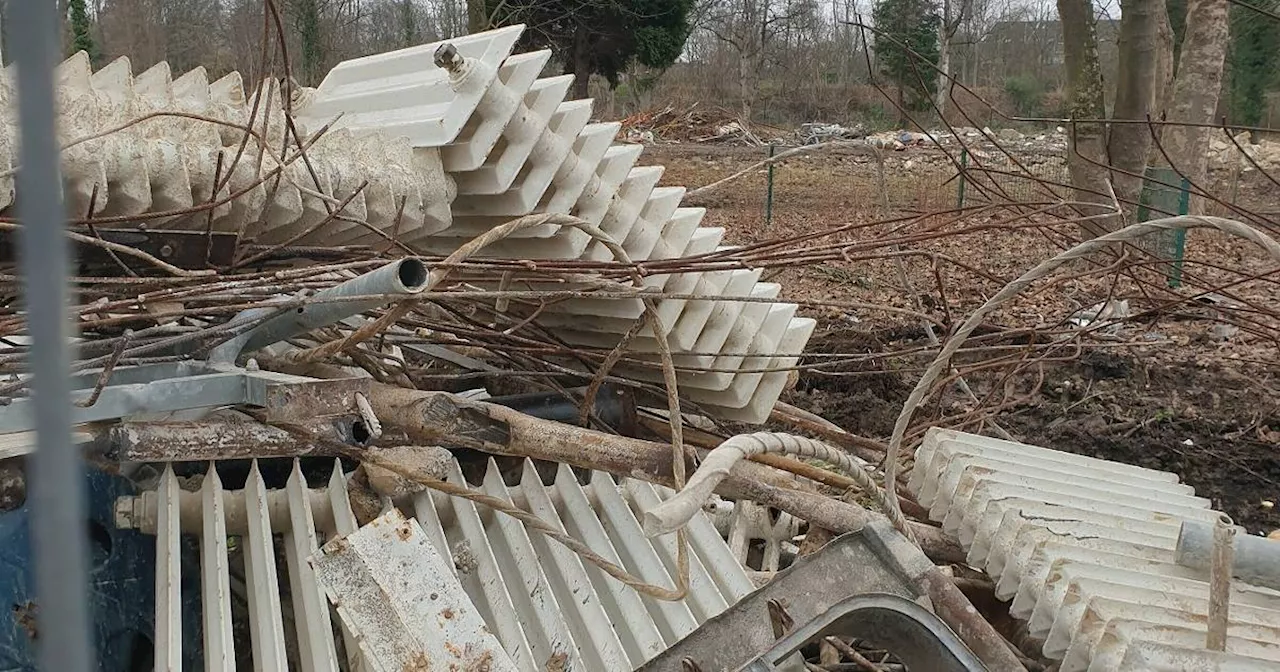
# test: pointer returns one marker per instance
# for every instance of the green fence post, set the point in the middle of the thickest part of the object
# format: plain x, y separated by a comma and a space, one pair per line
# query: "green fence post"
768, 196
1156, 199
1180, 236
964, 166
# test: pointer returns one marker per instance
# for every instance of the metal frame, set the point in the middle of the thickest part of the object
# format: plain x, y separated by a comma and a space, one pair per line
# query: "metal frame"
165, 388
875, 559
58, 511
913, 633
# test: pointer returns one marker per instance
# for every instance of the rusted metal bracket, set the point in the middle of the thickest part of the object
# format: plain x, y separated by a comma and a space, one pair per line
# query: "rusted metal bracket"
184, 249
875, 560
921, 640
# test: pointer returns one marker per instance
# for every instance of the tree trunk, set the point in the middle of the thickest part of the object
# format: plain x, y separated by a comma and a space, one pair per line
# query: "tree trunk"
581, 59
1128, 143
746, 84
902, 106
312, 49
1084, 101
477, 17
1195, 92
1166, 63
944, 60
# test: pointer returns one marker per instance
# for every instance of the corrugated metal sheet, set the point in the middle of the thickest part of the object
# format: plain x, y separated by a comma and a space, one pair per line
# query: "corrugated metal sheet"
537, 597
1084, 549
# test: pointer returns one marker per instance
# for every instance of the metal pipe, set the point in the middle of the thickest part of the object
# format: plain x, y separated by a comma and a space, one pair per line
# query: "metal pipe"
59, 549
1256, 559
613, 406
403, 277
1220, 584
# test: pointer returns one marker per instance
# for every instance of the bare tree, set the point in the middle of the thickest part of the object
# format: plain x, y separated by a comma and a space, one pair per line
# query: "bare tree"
1084, 101
747, 27
953, 15
1128, 143
1195, 90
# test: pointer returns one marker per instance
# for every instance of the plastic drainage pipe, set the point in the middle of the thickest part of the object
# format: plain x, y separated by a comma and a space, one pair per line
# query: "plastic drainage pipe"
1257, 559
404, 277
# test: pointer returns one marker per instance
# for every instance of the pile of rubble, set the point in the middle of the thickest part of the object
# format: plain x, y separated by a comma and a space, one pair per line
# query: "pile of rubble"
693, 124
700, 124
987, 141
1243, 154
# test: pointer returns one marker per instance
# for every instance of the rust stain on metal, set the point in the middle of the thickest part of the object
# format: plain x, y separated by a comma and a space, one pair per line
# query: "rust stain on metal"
25, 616
482, 664
558, 662
419, 663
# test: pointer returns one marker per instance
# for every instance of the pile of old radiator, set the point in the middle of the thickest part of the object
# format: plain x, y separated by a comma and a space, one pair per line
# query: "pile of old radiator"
448, 141
1085, 550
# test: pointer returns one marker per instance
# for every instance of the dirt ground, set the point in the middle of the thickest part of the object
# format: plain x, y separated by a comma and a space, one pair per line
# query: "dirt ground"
1172, 394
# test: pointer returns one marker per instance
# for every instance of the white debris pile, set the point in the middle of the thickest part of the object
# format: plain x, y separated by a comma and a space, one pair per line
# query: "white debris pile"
1244, 154
430, 147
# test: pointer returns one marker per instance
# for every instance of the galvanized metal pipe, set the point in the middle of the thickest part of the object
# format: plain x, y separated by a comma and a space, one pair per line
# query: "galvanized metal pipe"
59, 548
1256, 559
403, 277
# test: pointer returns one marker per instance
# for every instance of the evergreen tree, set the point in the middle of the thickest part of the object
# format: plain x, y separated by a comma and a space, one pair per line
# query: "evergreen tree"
906, 47
1253, 59
81, 29
601, 37
308, 23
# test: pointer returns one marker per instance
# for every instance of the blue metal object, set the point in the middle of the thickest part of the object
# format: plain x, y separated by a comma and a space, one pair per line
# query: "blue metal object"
121, 587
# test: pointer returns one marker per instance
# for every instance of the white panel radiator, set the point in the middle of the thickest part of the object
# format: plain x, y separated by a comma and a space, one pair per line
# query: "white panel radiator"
537, 597
447, 153
1084, 548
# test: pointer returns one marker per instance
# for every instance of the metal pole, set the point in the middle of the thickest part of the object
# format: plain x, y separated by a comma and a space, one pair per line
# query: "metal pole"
1219, 616
1255, 560
964, 171
56, 478
1180, 236
768, 195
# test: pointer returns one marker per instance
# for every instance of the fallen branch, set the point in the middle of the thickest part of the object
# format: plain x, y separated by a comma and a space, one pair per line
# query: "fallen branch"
440, 418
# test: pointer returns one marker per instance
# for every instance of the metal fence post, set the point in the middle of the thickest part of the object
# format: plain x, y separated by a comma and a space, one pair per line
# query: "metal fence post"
964, 169
1157, 196
1180, 236
55, 478
768, 195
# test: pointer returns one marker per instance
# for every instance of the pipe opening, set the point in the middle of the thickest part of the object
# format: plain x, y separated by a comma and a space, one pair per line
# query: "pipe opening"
360, 433
412, 274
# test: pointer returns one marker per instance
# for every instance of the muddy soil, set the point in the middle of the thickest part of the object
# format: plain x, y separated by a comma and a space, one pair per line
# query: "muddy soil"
1206, 410
1216, 427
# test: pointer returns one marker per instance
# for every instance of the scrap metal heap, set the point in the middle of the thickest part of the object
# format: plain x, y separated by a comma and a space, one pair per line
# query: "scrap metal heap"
297, 509
430, 147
